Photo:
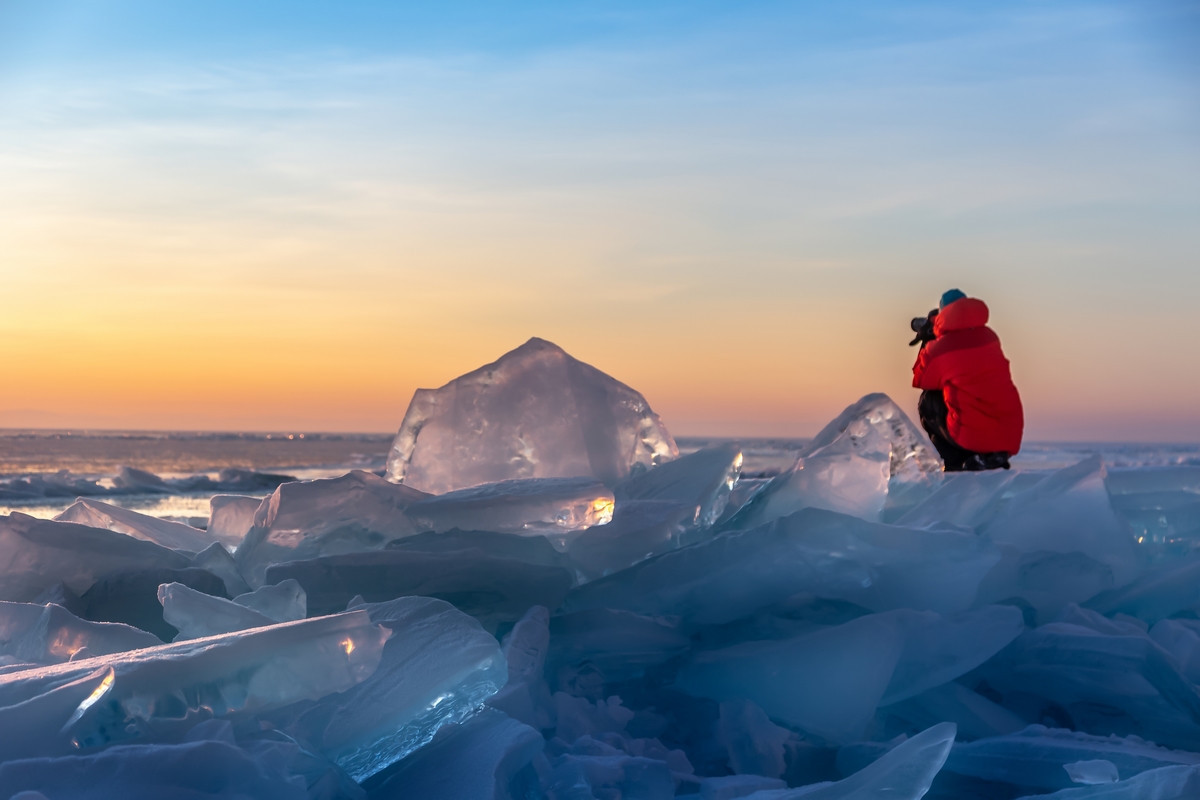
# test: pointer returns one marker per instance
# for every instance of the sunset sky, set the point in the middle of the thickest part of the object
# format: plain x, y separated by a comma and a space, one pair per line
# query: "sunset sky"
289, 215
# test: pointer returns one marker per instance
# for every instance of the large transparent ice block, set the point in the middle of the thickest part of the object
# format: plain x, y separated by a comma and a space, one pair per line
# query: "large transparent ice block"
536, 412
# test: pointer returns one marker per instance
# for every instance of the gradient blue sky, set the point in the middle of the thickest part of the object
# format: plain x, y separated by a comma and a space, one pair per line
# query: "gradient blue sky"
268, 215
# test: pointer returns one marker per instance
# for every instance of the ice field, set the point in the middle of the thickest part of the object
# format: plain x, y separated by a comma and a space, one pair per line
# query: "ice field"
541, 598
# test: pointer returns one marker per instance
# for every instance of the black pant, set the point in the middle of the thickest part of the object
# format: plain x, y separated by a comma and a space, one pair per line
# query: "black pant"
933, 412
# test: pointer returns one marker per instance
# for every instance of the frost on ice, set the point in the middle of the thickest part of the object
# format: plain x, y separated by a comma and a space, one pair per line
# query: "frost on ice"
551, 605
535, 412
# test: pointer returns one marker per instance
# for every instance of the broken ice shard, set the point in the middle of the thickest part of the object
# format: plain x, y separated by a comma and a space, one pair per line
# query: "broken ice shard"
1069, 511
174, 535
536, 412
36, 554
830, 681
490, 588
304, 519
230, 517
438, 666
484, 758
160, 692
724, 578
551, 507
283, 602
49, 634
702, 481
869, 457
197, 615
639, 530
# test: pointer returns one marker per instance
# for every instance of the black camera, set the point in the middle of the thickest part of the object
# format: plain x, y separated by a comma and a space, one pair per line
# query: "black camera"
923, 328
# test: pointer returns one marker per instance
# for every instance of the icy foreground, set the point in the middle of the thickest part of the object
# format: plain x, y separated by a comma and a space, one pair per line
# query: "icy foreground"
639, 627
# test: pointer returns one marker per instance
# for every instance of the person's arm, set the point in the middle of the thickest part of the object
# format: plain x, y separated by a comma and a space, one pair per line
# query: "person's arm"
927, 373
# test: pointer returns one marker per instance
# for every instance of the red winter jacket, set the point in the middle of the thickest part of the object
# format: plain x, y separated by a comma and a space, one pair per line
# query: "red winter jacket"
965, 361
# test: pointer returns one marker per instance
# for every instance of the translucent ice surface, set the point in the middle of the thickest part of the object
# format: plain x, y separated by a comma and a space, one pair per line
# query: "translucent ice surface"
174, 535
36, 554
159, 692
305, 519
870, 454
536, 412
49, 634
552, 507
438, 667
231, 517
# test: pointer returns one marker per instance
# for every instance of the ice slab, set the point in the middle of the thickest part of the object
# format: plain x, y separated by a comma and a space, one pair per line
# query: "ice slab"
830, 681
49, 634
904, 773
174, 535
1165, 783
160, 692
526, 697
755, 744
1069, 512
1160, 592
36, 554
879, 567
132, 597
487, 757
1092, 772
210, 769
965, 499
976, 716
217, 560
536, 412
620, 644
305, 519
871, 452
197, 615
1036, 757
640, 529
231, 516
731, 787
552, 507
702, 481
439, 666
1105, 683
282, 602
486, 587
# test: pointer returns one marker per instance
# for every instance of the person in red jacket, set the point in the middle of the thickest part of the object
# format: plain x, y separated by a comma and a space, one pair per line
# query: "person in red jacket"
969, 407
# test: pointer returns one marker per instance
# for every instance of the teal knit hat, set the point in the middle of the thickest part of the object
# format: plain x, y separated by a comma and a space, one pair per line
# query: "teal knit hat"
950, 296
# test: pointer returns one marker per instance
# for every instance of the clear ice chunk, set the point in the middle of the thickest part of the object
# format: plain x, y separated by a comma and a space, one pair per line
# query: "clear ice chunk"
755, 744
230, 517
620, 644
210, 769
526, 697
870, 456
160, 692
174, 535
1164, 783
1162, 591
282, 602
536, 412
36, 554
49, 634
305, 519
1092, 772
490, 588
828, 682
197, 615
1035, 757
824, 682
729, 576
484, 758
702, 481
1069, 512
552, 507
904, 773
439, 666
640, 529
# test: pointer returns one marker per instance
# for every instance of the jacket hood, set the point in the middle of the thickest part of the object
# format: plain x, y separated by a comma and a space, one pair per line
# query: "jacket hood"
969, 312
